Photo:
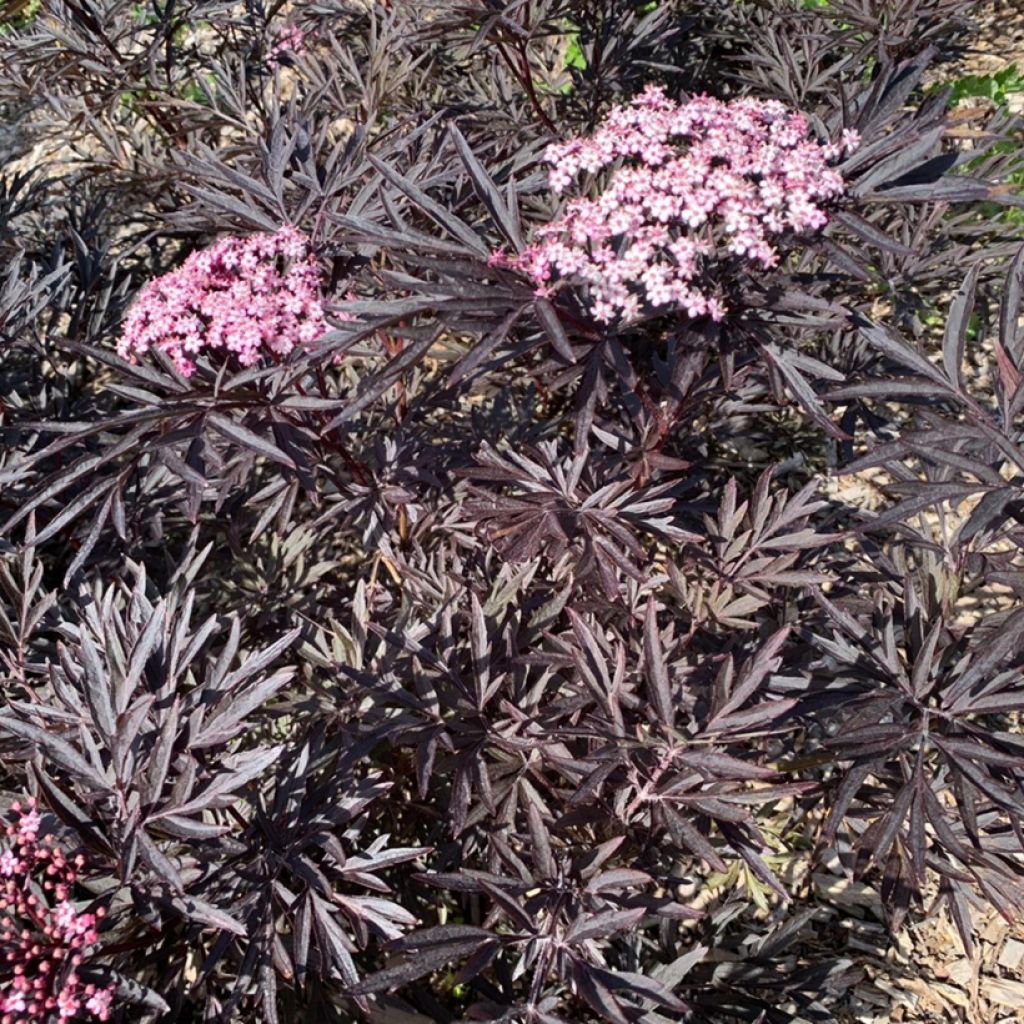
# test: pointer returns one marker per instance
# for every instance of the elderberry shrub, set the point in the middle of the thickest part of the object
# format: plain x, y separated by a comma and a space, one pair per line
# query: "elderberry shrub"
431, 582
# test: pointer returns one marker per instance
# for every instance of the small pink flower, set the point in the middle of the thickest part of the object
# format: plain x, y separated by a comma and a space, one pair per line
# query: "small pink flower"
14, 1003
100, 1003
9, 864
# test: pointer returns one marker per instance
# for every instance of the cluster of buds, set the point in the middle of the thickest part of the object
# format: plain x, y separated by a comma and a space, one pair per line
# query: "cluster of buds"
252, 296
43, 936
289, 41
691, 184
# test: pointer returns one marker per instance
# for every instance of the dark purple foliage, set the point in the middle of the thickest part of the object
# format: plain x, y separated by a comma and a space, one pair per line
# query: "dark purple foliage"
431, 666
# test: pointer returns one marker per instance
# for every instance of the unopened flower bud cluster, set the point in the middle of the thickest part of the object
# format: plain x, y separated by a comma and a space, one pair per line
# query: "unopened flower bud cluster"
691, 184
289, 41
43, 935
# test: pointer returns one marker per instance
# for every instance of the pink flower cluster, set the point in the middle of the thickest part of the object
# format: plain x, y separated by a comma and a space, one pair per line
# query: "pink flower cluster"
289, 40
43, 937
690, 183
250, 296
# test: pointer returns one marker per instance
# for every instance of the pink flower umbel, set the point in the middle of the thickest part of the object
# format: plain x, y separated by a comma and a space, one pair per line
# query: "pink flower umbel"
290, 41
43, 935
255, 297
692, 184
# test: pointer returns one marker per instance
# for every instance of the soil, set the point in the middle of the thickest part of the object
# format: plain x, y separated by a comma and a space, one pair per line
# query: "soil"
1001, 40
